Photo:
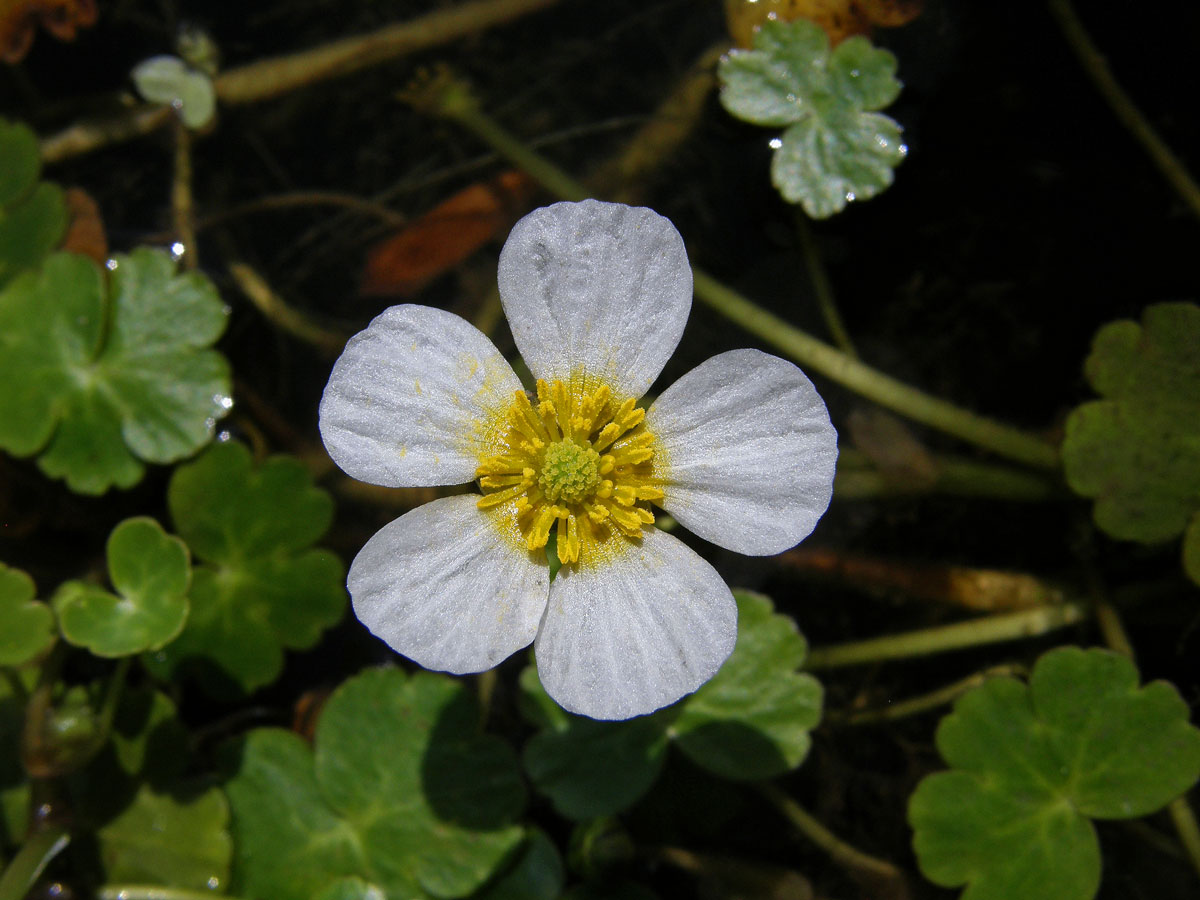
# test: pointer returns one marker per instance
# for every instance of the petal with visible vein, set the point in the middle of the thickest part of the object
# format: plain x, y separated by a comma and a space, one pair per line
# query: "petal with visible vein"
407, 399
748, 452
596, 286
449, 586
636, 634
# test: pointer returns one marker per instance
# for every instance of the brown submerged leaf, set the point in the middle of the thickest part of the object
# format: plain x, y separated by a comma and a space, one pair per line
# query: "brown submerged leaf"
839, 18
445, 236
85, 231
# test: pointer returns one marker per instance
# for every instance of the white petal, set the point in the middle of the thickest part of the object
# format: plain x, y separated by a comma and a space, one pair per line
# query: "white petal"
450, 586
637, 633
749, 452
406, 400
598, 286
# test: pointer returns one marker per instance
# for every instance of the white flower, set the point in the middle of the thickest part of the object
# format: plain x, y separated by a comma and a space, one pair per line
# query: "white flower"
740, 451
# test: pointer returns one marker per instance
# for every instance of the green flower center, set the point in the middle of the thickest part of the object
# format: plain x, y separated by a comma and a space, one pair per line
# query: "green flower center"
569, 472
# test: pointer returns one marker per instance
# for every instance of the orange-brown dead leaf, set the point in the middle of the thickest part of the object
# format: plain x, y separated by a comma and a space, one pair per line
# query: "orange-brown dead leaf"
985, 590
445, 236
19, 20
85, 229
840, 18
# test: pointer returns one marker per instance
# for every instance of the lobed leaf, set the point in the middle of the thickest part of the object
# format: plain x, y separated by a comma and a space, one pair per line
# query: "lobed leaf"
115, 374
1033, 764
1137, 451
260, 586
836, 147
150, 571
401, 792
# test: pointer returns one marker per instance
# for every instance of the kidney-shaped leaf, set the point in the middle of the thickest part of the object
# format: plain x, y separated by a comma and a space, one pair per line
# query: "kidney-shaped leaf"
835, 148
259, 586
1137, 451
112, 374
28, 625
1033, 764
150, 571
402, 792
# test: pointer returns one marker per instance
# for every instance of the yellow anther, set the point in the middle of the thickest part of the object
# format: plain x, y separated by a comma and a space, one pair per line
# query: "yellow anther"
572, 459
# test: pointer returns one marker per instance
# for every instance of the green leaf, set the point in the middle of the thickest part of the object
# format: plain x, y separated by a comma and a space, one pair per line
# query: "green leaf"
1137, 451
171, 81
538, 874
401, 791
752, 720
33, 214
1031, 766
590, 768
836, 148
28, 625
97, 400
150, 571
162, 840
261, 587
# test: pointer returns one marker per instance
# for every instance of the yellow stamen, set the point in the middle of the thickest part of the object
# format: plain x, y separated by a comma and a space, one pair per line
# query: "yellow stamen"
574, 460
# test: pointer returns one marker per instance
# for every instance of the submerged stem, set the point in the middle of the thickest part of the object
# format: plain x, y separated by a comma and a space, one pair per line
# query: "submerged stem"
916, 705
822, 286
1126, 111
989, 630
863, 865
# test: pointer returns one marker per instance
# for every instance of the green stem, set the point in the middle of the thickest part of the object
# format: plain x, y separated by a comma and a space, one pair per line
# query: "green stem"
279, 75
817, 356
286, 318
916, 705
1123, 107
857, 479
863, 865
822, 286
25, 868
153, 892
446, 96
989, 630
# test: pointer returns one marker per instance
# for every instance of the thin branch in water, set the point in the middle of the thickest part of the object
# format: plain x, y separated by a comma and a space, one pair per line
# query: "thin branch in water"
280, 314
280, 75
925, 642
1122, 105
884, 877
